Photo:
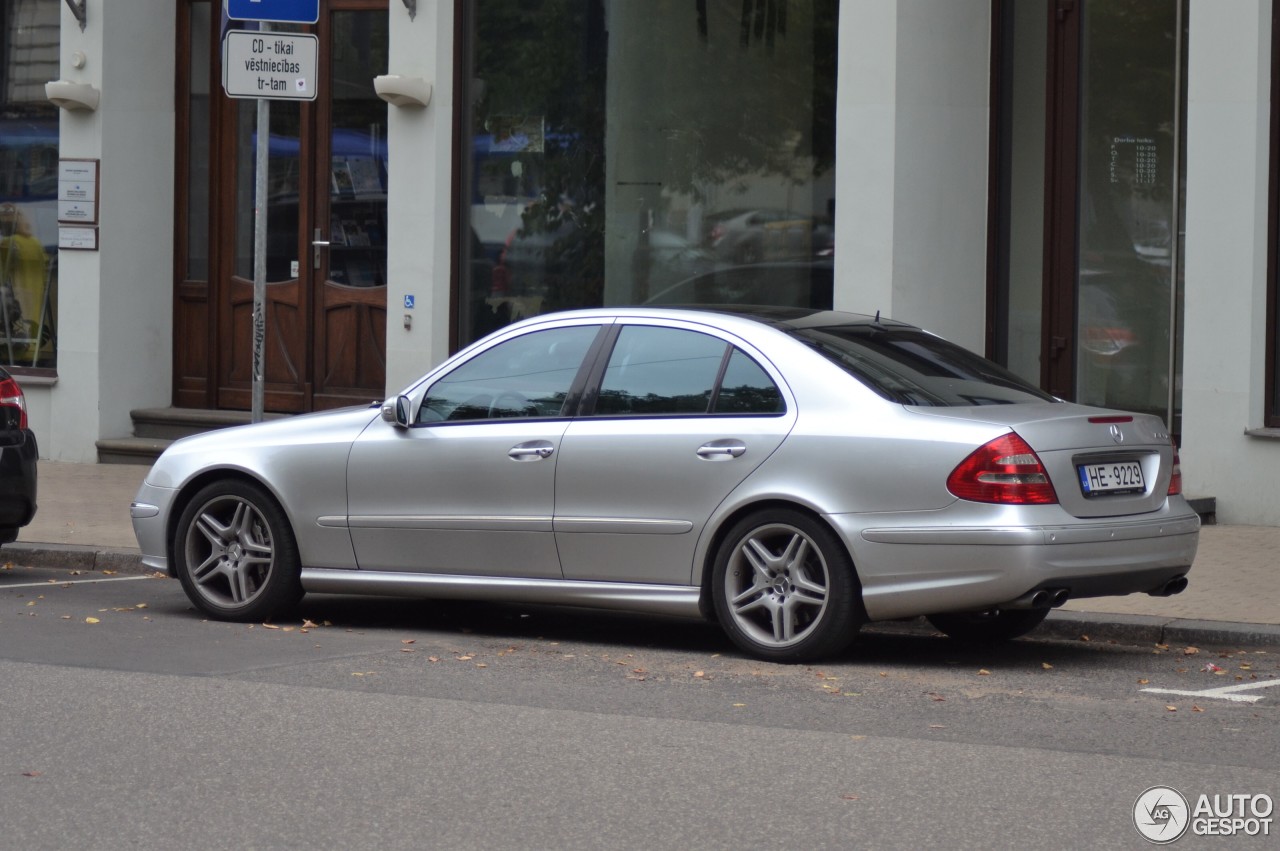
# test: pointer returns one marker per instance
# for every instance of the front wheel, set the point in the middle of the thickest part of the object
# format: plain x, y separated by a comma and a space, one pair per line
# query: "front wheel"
235, 553
988, 627
784, 587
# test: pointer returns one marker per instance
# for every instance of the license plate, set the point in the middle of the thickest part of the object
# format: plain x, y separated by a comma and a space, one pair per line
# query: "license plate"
1111, 478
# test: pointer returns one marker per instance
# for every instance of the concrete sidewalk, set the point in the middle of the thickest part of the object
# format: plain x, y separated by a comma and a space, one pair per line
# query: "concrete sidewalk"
1234, 596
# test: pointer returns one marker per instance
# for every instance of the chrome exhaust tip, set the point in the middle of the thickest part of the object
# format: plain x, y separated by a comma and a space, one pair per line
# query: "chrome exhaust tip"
1174, 586
1042, 598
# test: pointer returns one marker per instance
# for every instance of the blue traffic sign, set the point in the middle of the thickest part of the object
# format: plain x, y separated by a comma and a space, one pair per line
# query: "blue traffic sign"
282, 11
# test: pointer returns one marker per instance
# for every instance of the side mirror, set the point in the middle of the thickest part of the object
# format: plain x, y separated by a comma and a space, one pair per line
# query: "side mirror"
396, 411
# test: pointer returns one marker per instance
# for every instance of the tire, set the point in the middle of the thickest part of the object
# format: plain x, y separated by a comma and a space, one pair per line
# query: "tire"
988, 627
784, 587
235, 553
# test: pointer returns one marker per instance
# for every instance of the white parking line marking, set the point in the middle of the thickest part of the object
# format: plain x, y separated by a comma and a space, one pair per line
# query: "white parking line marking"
1224, 693
60, 582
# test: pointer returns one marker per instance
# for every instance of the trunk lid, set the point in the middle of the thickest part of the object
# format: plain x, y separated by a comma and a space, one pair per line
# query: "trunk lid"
1102, 463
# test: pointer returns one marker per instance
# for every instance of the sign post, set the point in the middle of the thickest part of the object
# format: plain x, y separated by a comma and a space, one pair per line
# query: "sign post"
267, 66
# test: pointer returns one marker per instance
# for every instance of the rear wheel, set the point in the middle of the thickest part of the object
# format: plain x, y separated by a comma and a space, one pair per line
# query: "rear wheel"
988, 627
235, 553
784, 587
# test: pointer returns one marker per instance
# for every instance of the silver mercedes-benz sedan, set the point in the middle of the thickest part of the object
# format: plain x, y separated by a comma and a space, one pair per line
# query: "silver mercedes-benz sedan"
791, 474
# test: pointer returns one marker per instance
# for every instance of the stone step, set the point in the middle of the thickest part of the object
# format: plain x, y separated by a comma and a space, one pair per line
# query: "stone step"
131, 450
154, 429
173, 423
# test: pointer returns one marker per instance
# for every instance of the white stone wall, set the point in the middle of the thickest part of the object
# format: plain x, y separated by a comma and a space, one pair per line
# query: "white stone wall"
1228, 112
115, 305
420, 194
912, 121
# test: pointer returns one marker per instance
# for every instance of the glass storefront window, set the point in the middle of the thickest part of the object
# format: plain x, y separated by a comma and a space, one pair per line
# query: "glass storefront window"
633, 151
29, 41
1130, 197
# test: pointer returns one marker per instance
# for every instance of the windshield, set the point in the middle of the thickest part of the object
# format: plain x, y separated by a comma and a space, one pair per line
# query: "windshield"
913, 367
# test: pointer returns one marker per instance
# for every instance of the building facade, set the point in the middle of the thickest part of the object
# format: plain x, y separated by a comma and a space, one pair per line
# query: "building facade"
1085, 191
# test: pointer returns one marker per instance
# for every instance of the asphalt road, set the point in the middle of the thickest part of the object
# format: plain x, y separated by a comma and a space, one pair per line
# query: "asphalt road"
129, 721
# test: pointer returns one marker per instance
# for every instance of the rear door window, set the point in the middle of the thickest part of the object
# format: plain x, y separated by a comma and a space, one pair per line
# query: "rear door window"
654, 371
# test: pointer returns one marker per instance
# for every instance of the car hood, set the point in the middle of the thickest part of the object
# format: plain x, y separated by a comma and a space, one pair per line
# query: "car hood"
248, 447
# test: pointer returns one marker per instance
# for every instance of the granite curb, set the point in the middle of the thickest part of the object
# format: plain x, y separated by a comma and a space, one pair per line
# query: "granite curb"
73, 556
1060, 625
1134, 630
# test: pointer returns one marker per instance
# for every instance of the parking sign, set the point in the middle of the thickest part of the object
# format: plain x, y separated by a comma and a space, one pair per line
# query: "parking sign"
280, 11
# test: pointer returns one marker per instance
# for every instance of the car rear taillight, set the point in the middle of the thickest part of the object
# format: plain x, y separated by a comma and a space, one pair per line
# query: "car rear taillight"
1175, 480
11, 397
1004, 471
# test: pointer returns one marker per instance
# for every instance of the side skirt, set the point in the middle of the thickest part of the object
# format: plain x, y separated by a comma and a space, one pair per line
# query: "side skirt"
677, 600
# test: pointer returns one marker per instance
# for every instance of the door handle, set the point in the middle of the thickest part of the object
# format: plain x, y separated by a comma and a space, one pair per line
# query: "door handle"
532, 451
316, 245
718, 449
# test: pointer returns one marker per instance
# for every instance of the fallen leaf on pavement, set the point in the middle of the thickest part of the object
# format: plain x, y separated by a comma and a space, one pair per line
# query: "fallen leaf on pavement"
1172, 708
1046, 666
983, 672
1195, 708
92, 620
1190, 651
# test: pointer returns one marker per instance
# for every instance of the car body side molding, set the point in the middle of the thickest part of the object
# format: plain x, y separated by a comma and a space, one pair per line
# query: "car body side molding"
677, 600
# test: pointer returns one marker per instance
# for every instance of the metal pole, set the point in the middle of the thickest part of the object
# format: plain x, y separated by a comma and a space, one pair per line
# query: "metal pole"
260, 253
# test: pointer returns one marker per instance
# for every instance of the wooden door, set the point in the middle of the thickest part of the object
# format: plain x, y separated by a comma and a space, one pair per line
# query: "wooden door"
325, 321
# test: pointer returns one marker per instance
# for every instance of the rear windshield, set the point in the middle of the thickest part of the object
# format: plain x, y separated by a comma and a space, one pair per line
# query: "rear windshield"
913, 367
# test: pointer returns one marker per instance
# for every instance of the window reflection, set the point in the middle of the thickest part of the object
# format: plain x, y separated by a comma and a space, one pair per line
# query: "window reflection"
660, 371
529, 376
622, 150
1129, 206
29, 40
282, 188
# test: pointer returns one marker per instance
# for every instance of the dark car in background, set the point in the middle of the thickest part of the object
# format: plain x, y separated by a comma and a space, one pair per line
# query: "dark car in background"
17, 460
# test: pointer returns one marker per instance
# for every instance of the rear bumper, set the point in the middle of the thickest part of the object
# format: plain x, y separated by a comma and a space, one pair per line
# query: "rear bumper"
909, 570
17, 485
